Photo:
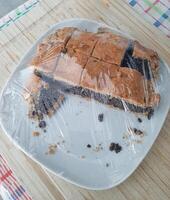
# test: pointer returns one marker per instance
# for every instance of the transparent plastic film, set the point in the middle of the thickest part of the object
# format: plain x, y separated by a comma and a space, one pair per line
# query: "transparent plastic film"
87, 102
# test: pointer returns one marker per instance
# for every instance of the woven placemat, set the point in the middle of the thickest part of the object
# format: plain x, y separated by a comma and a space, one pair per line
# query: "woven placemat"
17, 13
10, 188
156, 12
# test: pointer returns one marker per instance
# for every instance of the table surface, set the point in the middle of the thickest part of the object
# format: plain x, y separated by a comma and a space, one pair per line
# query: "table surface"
152, 178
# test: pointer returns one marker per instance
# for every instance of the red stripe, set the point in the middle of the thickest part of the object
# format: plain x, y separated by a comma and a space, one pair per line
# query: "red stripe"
5, 176
1, 171
8, 179
153, 17
4, 168
11, 189
154, 3
24, 194
13, 177
15, 186
2, 159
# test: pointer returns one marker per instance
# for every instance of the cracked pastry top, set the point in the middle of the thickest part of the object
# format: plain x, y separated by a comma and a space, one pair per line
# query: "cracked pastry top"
109, 68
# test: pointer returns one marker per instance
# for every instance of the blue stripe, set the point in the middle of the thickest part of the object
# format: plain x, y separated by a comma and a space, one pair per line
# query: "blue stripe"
18, 193
133, 2
165, 16
157, 23
22, 189
14, 197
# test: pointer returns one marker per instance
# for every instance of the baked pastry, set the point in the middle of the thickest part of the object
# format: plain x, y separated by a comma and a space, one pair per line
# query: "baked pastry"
43, 98
109, 68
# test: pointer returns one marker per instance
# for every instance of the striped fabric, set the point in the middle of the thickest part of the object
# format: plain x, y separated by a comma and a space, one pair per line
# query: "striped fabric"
155, 11
10, 188
17, 13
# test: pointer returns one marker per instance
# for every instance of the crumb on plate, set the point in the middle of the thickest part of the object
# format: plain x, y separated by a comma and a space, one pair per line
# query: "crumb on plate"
100, 117
107, 164
82, 157
139, 120
88, 146
35, 133
115, 147
52, 148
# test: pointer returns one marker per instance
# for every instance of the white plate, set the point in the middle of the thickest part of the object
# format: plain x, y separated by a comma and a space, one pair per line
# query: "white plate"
77, 123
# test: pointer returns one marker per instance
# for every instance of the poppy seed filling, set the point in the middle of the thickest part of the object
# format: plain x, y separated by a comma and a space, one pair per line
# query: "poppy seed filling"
106, 67
86, 93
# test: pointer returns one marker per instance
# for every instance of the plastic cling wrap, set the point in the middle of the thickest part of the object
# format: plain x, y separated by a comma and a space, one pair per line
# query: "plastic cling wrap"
87, 102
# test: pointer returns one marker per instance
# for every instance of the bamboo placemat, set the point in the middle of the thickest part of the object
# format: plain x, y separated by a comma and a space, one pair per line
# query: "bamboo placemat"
151, 179
157, 12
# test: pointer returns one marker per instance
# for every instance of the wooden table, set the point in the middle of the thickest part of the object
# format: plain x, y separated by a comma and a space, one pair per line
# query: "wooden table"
152, 178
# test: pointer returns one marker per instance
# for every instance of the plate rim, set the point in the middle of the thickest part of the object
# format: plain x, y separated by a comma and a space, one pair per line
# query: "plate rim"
50, 29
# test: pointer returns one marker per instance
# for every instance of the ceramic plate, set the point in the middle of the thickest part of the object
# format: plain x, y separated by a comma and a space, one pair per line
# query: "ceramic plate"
76, 124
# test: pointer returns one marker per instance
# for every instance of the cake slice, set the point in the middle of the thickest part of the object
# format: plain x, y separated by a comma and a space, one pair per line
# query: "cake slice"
119, 87
142, 59
110, 48
43, 98
106, 67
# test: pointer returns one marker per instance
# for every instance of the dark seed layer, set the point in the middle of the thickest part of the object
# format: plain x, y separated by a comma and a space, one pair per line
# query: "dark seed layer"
141, 65
105, 99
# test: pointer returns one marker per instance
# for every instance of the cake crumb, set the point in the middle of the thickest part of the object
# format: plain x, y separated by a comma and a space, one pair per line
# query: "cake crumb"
138, 141
125, 136
107, 164
134, 131
42, 124
138, 132
150, 114
35, 133
115, 147
139, 120
100, 117
98, 148
83, 157
52, 148
64, 51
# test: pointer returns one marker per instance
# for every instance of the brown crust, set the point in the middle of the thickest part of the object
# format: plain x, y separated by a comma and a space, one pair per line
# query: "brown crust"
146, 53
50, 48
82, 42
93, 61
33, 84
70, 68
118, 82
110, 48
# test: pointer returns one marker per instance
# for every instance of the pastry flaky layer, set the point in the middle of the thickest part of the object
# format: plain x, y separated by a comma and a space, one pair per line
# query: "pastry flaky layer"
103, 63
